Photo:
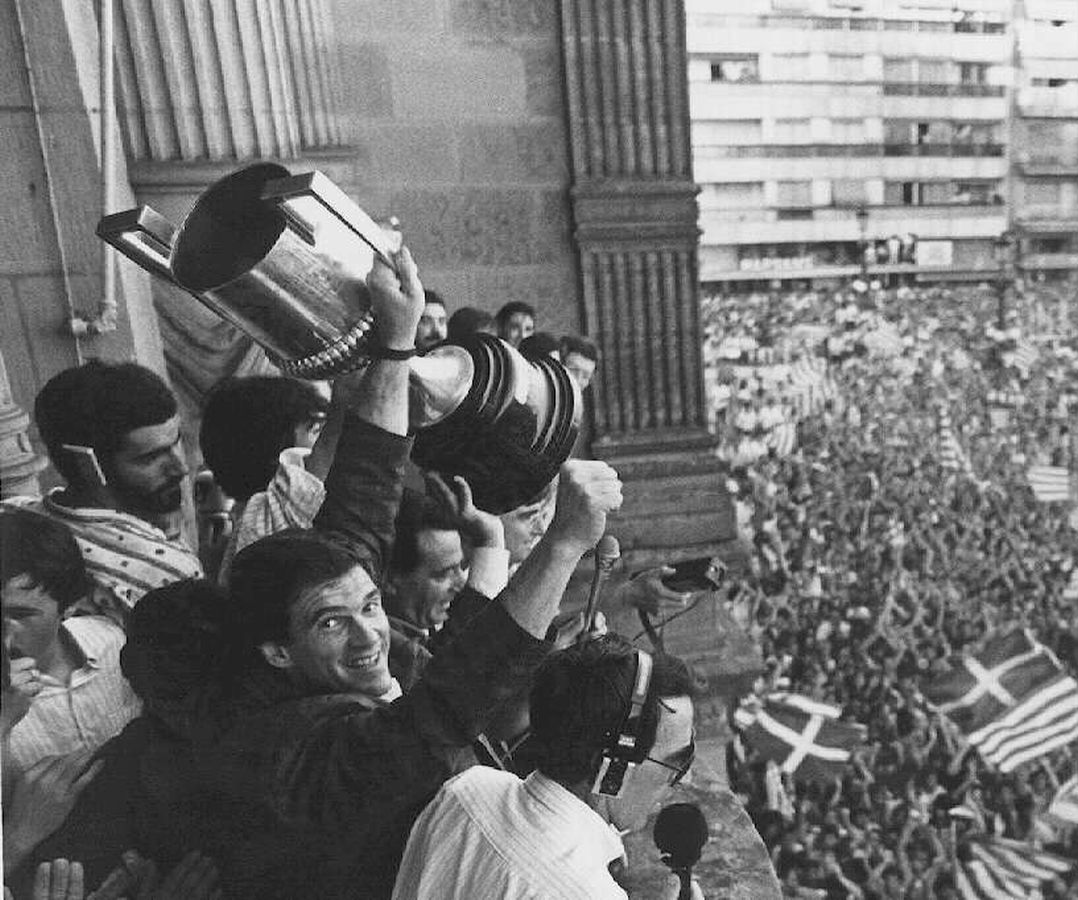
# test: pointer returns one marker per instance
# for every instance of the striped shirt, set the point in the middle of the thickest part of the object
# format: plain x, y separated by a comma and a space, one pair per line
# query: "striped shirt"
489, 834
125, 556
291, 500
93, 706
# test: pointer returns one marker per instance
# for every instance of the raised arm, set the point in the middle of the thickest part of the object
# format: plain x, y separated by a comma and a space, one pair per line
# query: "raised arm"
363, 485
587, 491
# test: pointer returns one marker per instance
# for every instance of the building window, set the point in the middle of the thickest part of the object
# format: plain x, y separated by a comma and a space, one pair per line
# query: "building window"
1043, 193
794, 194
794, 215
847, 131
848, 192
934, 71
917, 193
846, 67
1049, 245
726, 133
790, 66
733, 195
897, 69
976, 193
973, 73
736, 68
792, 131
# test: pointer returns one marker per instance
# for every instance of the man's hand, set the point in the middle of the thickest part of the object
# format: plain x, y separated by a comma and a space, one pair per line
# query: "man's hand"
58, 880
25, 685
481, 528
648, 593
194, 878
588, 490
43, 796
397, 301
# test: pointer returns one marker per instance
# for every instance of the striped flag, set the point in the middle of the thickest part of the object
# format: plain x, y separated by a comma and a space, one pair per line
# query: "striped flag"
952, 456
1064, 805
1024, 355
1012, 701
1051, 484
801, 735
782, 439
1003, 869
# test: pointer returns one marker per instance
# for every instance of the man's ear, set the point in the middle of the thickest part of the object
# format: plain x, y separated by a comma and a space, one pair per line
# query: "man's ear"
276, 655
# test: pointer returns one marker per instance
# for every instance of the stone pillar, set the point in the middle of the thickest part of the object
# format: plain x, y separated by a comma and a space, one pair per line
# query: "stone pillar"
635, 213
226, 79
634, 205
19, 465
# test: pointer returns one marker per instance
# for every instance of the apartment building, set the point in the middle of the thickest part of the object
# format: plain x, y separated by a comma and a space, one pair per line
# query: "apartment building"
1045, 135
830, 135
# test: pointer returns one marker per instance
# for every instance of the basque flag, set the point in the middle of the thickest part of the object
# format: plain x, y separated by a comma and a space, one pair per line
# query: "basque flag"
1012, 701
1000, 868
800, 734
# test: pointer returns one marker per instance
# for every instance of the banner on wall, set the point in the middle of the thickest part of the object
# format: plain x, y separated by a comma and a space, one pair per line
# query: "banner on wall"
934, 253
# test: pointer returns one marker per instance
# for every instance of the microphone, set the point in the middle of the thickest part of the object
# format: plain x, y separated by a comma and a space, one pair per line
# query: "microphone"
607, 552
680, 834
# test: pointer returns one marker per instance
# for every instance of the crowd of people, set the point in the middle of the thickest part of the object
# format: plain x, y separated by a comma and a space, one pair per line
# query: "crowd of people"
880, 562
356, 665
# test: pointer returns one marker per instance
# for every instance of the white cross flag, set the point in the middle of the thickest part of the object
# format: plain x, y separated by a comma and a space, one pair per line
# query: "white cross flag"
1013, 701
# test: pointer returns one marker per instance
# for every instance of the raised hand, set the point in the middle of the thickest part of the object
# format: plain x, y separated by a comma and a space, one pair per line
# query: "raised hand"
483, 529
397, 300
58, 880
24, 686
587, 492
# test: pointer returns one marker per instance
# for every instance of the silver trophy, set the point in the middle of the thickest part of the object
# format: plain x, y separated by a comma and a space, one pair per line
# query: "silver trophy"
285, 258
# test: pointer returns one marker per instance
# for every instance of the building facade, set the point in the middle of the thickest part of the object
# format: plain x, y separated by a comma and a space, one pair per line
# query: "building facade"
898, 136
1045, 154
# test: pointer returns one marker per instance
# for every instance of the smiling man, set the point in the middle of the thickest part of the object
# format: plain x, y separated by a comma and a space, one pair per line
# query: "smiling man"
113, 432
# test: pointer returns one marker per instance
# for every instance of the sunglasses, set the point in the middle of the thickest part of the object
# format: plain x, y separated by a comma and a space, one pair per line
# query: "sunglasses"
680, 762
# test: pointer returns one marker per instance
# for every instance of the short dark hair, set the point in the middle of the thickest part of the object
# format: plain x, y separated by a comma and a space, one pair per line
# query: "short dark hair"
579, 699
502, 316
467, 322
538, 345
430, 296
269, 575
179, 638
45, 550
96, 405
247, 422
572, 343
418, 512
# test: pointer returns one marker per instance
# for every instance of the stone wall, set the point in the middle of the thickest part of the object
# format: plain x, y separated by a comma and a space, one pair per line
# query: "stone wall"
455, 108
50, 196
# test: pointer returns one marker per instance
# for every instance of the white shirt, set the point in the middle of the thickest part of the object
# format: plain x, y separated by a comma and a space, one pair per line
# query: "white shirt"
489, 834
291, 500
94, 705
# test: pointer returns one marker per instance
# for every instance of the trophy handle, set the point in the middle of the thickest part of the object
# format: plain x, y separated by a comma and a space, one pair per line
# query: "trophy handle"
293, 196
143, 235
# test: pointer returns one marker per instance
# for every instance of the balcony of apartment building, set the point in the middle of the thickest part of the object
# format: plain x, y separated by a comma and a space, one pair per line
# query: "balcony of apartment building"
825, 224
830, 161
1047, 163
1053, 99
1047, 219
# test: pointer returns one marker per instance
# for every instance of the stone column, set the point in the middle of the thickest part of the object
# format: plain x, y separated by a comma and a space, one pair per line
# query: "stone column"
19, 465
635, 214
226, 79
634, 205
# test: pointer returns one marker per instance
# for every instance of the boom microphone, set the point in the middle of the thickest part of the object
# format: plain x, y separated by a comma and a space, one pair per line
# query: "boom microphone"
680, 834
607, 552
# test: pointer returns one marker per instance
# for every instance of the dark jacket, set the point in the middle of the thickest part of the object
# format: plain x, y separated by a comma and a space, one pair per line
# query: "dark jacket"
304, 796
